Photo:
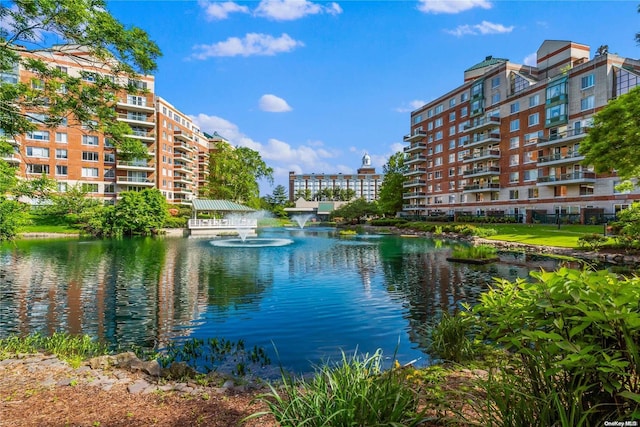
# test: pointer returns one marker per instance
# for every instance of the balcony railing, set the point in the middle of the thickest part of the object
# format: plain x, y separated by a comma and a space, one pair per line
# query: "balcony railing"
566, 178
138, 120
135, 180
414, 182
135, 165
483, 139
416, 171
561, 158
571, 134
417, 135
491, 170
483, 123
478, 188
416, 158
413, 195
415, 147
482, 155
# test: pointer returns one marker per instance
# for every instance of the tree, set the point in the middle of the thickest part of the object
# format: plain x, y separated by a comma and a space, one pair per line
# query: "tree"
279, 196
356, 210
305, 194
234, 173
53, 96
390, 199
136, 213
613, 142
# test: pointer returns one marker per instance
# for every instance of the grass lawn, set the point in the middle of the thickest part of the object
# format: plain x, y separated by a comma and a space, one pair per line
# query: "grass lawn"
543, 234
47, 224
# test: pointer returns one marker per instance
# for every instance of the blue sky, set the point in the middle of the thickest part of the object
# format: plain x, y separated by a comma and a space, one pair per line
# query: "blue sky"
313, 85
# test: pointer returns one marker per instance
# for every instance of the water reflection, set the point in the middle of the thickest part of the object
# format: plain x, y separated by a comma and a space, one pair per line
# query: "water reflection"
309, 299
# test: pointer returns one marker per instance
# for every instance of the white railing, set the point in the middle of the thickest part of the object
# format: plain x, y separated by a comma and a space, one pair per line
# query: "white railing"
225, 223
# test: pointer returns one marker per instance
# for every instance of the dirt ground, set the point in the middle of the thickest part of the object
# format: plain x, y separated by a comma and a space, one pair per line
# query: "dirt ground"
63, 397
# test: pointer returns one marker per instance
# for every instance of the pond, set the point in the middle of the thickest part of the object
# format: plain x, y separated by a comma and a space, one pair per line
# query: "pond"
304, 295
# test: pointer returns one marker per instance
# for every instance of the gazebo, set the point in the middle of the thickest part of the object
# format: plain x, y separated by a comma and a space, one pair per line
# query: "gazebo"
224, 217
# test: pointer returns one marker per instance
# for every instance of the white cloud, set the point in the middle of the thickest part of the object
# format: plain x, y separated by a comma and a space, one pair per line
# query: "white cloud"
451, 6
221, 10
251, 45
273, 104
288, 10
531, 59
412, 105
485, 27
281, 156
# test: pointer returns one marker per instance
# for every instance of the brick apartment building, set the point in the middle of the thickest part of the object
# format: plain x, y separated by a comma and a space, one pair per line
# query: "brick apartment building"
506, 141
73, 154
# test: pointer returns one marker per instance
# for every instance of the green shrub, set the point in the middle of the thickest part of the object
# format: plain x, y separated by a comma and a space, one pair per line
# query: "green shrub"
592, 241
387, 222
474, 252
175, 222
577, 336
355, 392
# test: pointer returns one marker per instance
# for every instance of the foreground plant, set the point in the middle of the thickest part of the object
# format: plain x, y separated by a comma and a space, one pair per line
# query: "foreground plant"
577, 337
353, 392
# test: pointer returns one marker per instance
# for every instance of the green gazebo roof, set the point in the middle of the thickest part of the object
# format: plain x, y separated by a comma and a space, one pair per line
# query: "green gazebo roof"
219, 206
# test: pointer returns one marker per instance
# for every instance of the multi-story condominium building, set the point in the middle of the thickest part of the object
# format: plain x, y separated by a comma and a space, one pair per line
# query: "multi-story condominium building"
506, 141
365, 183
74, 154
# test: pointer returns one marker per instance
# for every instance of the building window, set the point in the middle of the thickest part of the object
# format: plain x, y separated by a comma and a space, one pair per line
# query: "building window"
90, 140
515, 107
437, 174
430, 113
495, 98
532, 193
452, 144
452, 102
530, 156
534, 100
438, 148
439, 122
586, 190
61, 137
464, 96
514, 194
89, 188
39, 169
514, 160
109, 188
61, 170
560, 191
452, 116
587, 81
438, 135
514, 177
109, 173
61, 153
556, 90
39, 152
89, 172
514, 142
36, 117
534, 119
452, 157
438, 161
439, 109
416, 119
90, 156
514, 125
587, 103
62, 187
109, 158
38, 135
137, 100
530, 175
452, 172
495, 82
464, 111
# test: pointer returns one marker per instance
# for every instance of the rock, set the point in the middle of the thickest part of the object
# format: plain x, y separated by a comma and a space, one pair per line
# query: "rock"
228, 384
126, 360
178, 370
152, 368
100, 362
138, 387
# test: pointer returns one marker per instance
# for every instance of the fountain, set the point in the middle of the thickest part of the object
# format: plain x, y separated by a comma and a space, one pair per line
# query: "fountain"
301, 220
243, 233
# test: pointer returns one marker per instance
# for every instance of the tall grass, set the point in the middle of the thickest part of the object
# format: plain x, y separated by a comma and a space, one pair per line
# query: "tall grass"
71, 348
474, 252
353, 392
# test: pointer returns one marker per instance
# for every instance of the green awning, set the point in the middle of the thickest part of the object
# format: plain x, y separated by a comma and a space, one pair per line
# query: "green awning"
218, 206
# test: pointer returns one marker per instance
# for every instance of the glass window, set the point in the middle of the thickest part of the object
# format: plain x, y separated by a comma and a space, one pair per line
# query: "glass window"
61, 170
90, 140
514, 177
514, 194
452, 102
61, 137
464, 111
514, 160
439, 109
534, 100
587, 103
90, 156
438, 135
452, 116
89, 188
109, 157
531, 175
532, 193
514, 125
439, 122
495, 98
534, 119
464, 96
39, 169
452, 130
38, 135
587, 81
90, 172
61, 153
39, 152
495, 82
515, 107
416, 119
514, 142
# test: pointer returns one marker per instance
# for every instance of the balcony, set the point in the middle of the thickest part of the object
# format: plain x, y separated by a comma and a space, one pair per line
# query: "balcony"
483, 124
559, 158
481, 188
181, 167
416, 171
183, 190
12, 158
418, 146
477, 172
568, 178
480, 140
144, 136
481, 155
183, 157
414, 183
183, 179
419, 207
563, 138
416, 158
135, 166
413, 195
180, 135
417, 135
183, 147
136, 106
149, 121
134, 180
